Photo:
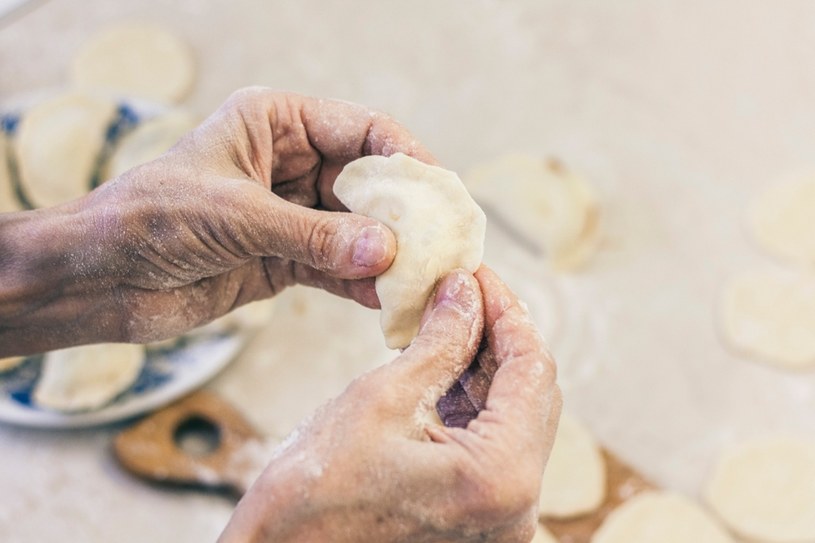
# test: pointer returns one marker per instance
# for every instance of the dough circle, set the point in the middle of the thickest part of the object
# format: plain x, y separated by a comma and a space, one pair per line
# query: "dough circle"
770, 314
781, 220
58, 145
574, 482
140, 60
148, 141
765, 490
437, 226
549, 206
660, 517
87, 377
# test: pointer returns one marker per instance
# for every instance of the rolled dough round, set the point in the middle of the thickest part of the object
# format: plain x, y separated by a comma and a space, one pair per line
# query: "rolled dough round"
781, 220
140, 60
551, 207
87, 377
574, 482
437, 226
58, 144
765, 490
661, 517
148, 141
770, 314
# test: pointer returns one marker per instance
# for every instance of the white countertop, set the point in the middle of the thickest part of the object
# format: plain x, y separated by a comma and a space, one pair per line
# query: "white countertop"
676, 112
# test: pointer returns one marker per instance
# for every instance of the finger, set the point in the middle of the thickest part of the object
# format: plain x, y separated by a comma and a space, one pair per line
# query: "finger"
342, 132
447, 339
343, 245
362, 291
523, 387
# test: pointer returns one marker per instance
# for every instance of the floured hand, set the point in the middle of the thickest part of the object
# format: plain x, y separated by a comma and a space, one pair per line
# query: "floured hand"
372, 465
239, 209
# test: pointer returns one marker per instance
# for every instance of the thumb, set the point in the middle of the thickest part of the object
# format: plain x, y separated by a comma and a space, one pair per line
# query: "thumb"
344, 245
448, 338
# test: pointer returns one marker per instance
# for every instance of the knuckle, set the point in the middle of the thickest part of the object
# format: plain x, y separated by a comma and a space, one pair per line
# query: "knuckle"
322, 235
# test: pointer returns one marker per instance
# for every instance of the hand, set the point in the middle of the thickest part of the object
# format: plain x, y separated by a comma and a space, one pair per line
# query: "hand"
371, 466
239, 209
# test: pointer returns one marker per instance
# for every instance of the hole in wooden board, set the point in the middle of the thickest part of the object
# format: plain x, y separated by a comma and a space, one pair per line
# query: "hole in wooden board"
197, 436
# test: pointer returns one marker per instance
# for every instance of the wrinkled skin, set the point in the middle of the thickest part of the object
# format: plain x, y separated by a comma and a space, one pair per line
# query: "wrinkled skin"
370, 466
235, 212
243, 207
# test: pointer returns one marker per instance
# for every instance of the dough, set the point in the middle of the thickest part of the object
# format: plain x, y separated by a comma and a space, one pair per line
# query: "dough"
660, 517
58, 145
781, 220
438, 228
10, 363
770, 314
549, 207
765, 490
87, 377
8, 200
542, 535
148, 141
138, 60
574, 482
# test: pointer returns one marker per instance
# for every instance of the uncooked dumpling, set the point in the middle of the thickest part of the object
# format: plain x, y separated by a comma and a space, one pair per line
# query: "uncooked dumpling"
765, 490
438, 228
58, 146
770, 314
574, 482
138, 60
8, 200
542, 535
549, 206
781, 220
87, 377
660, 517
148, 141
10, 363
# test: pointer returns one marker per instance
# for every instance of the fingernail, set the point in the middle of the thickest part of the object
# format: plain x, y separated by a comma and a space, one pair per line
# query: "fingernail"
370, 247
452, 291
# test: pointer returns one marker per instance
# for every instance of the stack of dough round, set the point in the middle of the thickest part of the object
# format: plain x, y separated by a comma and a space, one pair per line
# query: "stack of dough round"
140, 60
574, 482
58, 145
765, 490
546, 204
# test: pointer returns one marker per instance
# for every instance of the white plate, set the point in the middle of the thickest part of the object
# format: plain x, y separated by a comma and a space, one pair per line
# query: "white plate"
168, 374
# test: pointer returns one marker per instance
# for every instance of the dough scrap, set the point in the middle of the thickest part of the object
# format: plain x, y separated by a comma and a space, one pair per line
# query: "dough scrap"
148, 141
574, 482
8, 200
87, 377
661, 517
438, 228
542, 535
140, 60
58, 145
765, 490
546, 204
770, 314
781, 220
10, 363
